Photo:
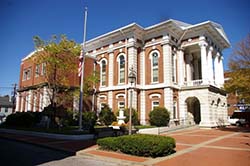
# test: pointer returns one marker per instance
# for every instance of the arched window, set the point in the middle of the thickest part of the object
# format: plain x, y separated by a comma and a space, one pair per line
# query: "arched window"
103, 72
154, 66
121, 68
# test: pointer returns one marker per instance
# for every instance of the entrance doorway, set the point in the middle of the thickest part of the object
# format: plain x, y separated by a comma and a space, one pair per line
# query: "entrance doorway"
193, 109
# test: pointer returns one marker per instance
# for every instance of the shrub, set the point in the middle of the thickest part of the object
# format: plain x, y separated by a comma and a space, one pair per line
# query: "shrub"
65, 115
135, 120
89, 120
159, 117
139, 145
106, 116
20, 119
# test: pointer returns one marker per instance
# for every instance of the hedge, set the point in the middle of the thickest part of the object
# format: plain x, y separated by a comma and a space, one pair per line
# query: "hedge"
139, 145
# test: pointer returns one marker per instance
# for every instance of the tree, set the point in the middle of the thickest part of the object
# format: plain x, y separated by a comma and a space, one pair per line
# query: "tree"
135, 120
106, 116
59, 57
159, 116
239, 74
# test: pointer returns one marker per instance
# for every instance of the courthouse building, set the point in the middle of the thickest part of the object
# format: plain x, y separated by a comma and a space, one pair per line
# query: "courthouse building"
178, 66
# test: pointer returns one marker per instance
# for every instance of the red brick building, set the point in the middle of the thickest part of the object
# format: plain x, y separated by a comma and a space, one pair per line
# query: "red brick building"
178, 66
33, 90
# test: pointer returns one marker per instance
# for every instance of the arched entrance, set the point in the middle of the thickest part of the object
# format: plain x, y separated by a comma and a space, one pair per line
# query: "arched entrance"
193, 109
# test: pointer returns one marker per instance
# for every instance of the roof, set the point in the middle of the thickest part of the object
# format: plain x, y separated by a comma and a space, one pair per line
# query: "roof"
5, 102
179, 28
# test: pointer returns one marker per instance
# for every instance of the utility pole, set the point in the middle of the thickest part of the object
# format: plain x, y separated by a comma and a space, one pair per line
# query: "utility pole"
14, 97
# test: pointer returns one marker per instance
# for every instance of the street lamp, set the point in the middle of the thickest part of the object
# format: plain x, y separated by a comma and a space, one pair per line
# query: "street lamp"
131, 79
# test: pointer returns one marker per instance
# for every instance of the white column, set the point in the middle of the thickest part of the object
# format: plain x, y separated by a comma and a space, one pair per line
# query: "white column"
167, 60
142, 67
21, 101
34, 102
196, 69
46, 99
168, 100
210, 65
132, 61
188, 67
216, 69
17, 102
110, 99
111, 66
41, 101
132, 54
143, 108
221, 71
204, 70
29, 102
180, 66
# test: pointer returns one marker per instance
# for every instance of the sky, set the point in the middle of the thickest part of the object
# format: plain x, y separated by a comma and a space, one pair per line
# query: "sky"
20, 20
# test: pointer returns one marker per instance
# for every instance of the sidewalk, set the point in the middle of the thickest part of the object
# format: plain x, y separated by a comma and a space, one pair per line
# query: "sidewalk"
203, 147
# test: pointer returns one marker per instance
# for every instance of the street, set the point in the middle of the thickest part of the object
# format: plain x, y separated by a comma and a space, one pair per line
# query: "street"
16, 153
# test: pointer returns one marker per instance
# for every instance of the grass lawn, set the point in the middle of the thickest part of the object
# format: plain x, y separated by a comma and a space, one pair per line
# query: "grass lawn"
144, 127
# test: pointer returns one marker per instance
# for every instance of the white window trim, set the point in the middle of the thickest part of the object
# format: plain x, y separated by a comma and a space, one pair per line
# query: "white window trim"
120, 95
152, 68
119, 71
155, 95
105, 60
103, 97
152, 104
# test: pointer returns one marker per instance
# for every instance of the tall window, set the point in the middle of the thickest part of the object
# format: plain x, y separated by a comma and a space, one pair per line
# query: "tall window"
37, 70
43, 69
121, 69
155, 104
103, 73
155, 67
27, 74
174, 67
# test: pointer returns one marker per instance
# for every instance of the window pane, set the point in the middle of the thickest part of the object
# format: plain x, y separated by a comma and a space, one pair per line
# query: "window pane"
155, 75
122, 62
103, 66
155, 59
103, 73
122, 76
155, 104
103, 79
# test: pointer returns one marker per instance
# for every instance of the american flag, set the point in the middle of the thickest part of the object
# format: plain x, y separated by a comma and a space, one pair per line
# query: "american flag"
80, 64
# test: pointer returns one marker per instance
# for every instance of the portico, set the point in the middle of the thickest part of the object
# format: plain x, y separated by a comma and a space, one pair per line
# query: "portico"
202, 64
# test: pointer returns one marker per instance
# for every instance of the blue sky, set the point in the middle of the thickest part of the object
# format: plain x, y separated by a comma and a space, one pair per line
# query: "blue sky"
20, 20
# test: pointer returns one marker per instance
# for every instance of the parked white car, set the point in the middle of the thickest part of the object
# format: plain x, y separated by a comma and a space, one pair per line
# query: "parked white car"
236, 121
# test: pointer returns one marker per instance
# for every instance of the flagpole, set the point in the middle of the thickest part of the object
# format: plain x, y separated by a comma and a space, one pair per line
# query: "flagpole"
82, 71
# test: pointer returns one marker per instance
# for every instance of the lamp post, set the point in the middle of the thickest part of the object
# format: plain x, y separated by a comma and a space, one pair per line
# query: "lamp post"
132, 80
